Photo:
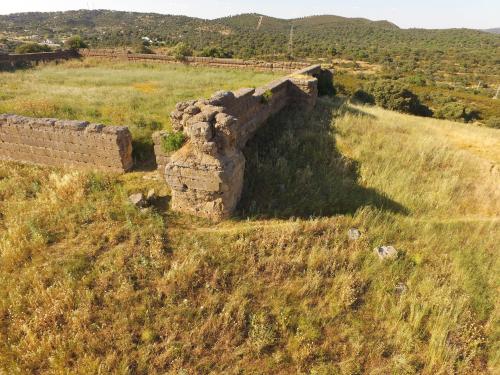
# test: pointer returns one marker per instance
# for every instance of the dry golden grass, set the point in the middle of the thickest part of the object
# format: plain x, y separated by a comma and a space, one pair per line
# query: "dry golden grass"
90, 284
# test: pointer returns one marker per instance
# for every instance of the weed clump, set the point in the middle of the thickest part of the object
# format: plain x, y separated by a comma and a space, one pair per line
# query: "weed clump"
362, 97
493, 122
266, 97
173, 141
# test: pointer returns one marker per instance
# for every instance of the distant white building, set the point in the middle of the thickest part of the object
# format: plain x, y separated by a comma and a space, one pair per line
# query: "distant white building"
50, 43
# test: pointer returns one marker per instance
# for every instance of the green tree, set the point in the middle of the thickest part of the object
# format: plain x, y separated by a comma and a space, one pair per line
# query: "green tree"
75, 43
396, 97
456, 111
217, 52
181, 51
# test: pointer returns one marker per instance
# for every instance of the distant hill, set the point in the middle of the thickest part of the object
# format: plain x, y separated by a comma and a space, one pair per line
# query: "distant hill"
251, 35
493, 31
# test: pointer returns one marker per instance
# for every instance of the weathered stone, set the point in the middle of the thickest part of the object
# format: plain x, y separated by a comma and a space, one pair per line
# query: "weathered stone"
185, 119
200, 131
192, 110
400, 288
224, 120
177, 115
386, 252
209, 148
354, 234
138, 200
222, 98
209, 113
151, 196
202, 103
181, 106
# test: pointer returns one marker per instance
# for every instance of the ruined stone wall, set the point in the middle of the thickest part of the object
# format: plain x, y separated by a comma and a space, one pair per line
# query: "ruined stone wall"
18, 59
162, 157
206, 174
287, 66
65, 143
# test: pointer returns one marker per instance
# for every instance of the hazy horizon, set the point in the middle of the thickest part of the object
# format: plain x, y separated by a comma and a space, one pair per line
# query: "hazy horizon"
459, 14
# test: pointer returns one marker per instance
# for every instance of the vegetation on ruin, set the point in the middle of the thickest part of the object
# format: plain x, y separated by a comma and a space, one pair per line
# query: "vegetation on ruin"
32, 48
267, 96
172, 141
91, 284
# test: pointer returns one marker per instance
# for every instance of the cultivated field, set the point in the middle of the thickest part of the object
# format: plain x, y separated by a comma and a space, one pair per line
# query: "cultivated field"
90, 284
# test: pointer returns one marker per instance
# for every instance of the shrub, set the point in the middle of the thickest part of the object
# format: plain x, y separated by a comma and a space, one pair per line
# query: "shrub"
75, 43
456, 111
493, 122
418, 80
394, 96
217, 52
32, 48
325, 83
266, 97
361, 96
181, 51
262, 333
143, 48
173, 141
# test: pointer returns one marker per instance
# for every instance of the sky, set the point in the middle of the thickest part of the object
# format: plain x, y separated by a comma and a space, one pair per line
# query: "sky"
478, 14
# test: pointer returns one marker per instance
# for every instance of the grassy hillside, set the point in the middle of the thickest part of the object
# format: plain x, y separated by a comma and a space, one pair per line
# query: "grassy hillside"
322, 36
494, 31
91, 284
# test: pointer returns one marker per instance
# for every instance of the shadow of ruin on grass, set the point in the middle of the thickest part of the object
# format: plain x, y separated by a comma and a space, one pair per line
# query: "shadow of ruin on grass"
294, 169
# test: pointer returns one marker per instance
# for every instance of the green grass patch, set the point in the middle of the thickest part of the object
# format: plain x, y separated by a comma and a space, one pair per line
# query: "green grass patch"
173, 141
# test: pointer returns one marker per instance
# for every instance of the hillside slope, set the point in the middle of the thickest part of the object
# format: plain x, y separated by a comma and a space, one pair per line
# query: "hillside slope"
91, 284
316, 36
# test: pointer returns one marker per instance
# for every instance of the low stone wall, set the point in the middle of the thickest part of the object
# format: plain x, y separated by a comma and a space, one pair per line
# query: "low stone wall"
65, 143
288, 66
206, 174
162, 157
18, 59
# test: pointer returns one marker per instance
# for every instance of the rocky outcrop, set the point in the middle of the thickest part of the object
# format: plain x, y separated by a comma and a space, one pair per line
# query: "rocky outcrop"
206, 174
65, 143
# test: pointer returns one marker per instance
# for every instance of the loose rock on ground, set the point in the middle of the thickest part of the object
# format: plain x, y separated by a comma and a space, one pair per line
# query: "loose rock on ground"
386, 252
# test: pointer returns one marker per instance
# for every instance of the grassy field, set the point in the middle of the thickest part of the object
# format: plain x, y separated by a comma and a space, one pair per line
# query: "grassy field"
140, 96
91, 284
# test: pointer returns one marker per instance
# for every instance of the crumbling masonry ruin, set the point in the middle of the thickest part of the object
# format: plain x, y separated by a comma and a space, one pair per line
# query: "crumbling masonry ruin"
65, 143
206, 174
